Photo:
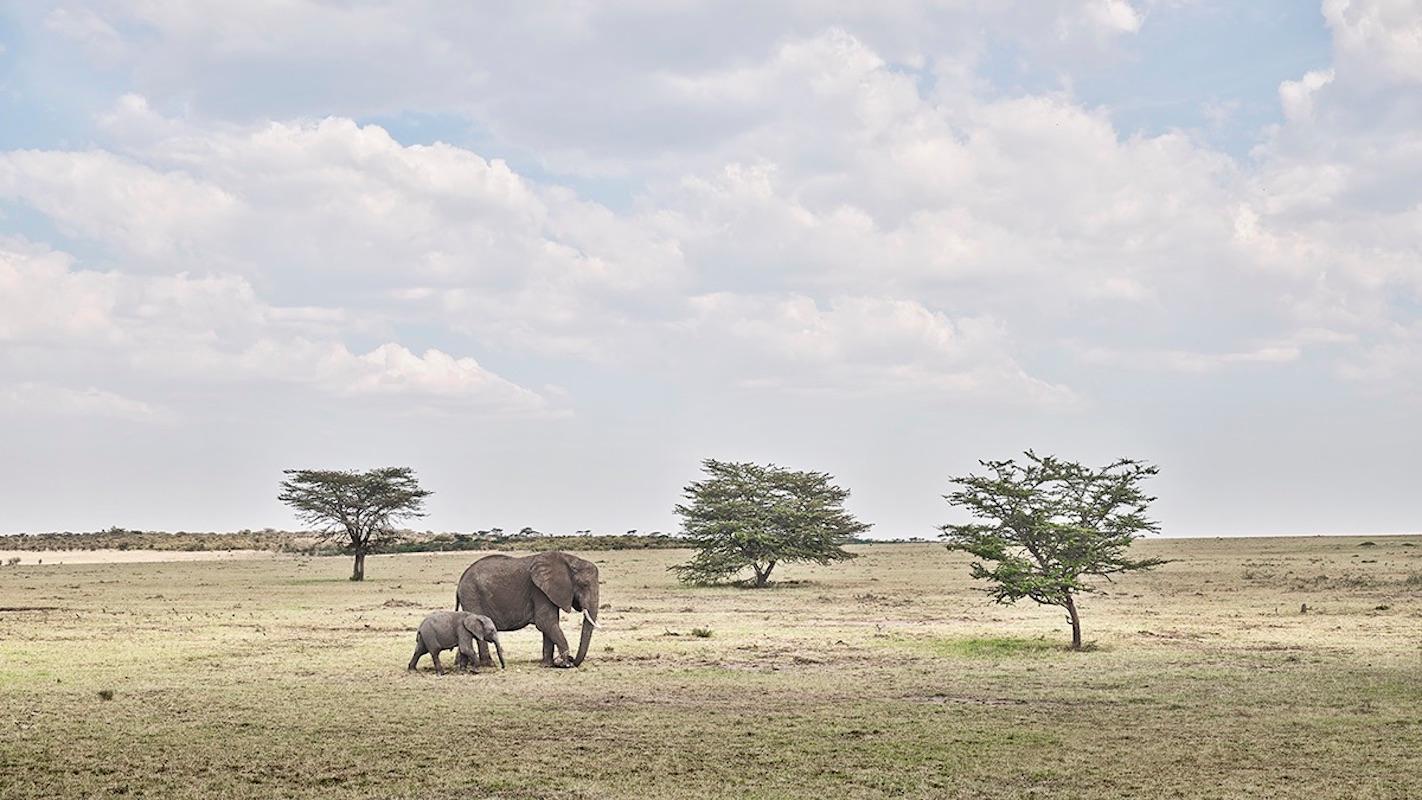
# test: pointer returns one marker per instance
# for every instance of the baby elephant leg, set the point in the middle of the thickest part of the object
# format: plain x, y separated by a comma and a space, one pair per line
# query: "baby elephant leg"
419, 651
432, 646
466, 659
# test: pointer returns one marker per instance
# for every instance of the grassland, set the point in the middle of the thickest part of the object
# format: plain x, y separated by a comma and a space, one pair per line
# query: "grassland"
888, 676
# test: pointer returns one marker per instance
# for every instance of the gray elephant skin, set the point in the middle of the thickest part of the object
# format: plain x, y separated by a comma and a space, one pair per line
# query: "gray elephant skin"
443, 630
531, 590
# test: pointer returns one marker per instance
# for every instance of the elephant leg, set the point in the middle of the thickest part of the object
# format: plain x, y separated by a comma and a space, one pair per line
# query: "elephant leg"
465, 661
419, 651
465, 657
485, 660
431, 645
547, 621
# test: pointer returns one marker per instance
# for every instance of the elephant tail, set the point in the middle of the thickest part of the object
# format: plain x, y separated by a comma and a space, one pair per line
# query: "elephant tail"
456, 599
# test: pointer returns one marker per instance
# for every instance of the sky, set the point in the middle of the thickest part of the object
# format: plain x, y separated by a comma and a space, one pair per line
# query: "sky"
553, 255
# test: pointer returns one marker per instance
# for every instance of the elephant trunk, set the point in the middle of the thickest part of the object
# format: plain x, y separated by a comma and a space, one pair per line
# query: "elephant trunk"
499, 648
589, 622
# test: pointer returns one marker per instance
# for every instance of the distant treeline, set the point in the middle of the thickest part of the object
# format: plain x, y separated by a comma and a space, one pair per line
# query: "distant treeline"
307, 544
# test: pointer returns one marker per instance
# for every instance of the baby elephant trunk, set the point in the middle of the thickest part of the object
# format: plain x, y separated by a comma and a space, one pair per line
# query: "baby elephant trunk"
498, 648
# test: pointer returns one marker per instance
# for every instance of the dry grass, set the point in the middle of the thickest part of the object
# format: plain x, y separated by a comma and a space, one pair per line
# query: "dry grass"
885, 677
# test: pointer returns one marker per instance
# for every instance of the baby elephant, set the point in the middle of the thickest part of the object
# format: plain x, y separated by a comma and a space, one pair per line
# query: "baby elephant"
443, 630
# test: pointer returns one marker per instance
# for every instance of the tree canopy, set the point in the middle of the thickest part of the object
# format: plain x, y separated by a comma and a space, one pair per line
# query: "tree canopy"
748, 515
1047, 525
358, 508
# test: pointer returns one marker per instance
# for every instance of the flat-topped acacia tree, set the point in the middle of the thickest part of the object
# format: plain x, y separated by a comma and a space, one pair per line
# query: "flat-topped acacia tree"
1047, 525
359, 509
748, 515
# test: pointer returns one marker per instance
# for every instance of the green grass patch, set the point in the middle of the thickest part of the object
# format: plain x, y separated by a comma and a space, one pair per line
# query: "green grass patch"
982, 646
997, 646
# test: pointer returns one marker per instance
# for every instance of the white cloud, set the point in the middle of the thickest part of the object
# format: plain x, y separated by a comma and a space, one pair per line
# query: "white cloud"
1188, 361
867, 345
330, 197
1297, 96
41, 299
1114, 16
32, 399
1383, 37
208, 330
100, 195
524, 70
847, 180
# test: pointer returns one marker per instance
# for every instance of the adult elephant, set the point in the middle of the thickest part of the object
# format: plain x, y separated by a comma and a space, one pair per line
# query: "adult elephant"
515, 592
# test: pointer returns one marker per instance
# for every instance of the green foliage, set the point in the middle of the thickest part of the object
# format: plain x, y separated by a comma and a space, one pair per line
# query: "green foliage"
1048, 525
358, 509
747, 515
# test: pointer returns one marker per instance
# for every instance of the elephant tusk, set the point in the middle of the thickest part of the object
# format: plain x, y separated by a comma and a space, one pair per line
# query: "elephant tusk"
590, 620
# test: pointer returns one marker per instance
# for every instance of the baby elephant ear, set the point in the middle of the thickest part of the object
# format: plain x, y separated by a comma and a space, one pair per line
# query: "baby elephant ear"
551, 575
476, 626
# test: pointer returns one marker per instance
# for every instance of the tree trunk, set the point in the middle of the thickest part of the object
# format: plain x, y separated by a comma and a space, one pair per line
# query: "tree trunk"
762, 576
1075, 622
358, 572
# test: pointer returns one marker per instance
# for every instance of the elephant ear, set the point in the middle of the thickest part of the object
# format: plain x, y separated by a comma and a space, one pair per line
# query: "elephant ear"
552, 576
476, 626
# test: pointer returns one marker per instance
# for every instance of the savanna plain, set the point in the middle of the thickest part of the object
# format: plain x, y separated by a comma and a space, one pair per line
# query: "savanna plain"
888, 676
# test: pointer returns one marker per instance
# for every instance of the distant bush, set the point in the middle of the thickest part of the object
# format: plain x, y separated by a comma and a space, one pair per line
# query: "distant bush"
1415, 579
302, 543
701, 633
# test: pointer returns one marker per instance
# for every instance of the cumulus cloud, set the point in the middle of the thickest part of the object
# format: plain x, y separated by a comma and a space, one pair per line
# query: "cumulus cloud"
1383, 37
212, 330
848, 179
1297, 96
524, 69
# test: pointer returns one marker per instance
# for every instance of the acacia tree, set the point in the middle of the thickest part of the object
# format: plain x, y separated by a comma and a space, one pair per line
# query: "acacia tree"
1047, 525
748, 515
359, 509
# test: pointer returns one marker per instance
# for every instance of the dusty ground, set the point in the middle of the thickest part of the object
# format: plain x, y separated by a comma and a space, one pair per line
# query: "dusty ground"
885, 677
40, 557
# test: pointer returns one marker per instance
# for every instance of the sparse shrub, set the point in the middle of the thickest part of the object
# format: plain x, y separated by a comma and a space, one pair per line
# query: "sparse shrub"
1415, 579
701, 633
106, 694
12, 561
1368, 544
